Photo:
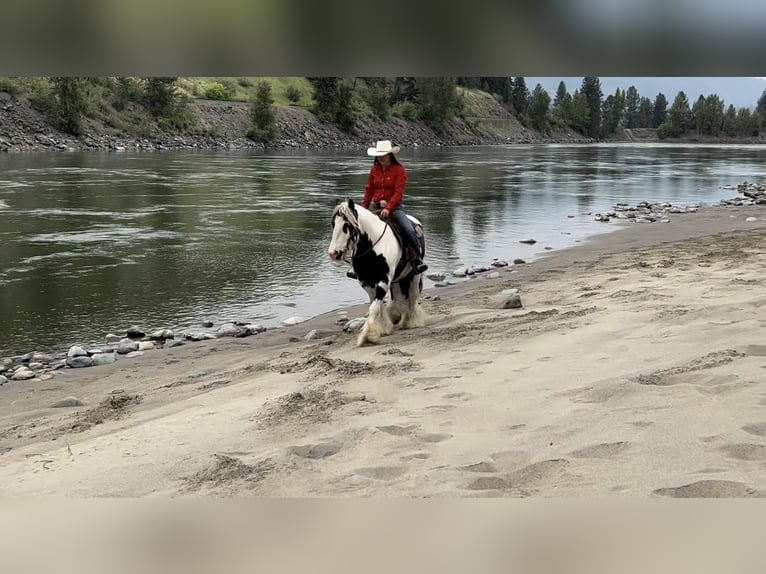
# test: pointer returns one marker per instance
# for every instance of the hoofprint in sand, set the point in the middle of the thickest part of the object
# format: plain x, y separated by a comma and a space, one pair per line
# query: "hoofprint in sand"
634, 368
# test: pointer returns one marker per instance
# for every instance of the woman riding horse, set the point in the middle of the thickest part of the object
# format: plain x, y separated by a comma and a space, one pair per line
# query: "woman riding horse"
383, 195
368, 242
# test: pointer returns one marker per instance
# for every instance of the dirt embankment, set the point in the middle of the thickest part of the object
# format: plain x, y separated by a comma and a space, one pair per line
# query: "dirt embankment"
222, 125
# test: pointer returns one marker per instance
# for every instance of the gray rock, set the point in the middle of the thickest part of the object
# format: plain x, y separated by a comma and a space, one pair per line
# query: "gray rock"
175, 343
207, 324
499, 263
79, 362
293, 321
528, 241
512, 301
22, 374
519, 262
3, 379
42, 357
492, 275
145, 346
227, 330
162, 334
134, 354
112, 339
135, 333
67, 402
126, 346
103, 358
312, 335
436, 276
76, 351
460, 272
355, 325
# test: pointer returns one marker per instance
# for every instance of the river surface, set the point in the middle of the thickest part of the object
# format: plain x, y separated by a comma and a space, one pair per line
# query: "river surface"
92, 243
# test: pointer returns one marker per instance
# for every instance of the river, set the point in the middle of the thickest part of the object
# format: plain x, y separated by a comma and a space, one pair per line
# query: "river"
92, 243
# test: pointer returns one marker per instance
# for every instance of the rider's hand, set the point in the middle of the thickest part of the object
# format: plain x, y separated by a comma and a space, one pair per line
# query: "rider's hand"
384, 213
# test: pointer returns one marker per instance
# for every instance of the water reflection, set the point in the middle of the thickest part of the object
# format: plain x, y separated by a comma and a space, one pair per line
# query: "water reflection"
93, 242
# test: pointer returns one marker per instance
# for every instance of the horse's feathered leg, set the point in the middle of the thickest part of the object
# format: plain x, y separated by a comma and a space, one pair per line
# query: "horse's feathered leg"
413, 315
378, 322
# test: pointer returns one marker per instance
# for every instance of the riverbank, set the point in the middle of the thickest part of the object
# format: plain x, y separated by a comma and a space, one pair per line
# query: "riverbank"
632, 369
225, 124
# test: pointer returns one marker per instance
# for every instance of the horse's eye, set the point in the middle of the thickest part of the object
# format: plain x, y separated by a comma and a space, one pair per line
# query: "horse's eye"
345, 228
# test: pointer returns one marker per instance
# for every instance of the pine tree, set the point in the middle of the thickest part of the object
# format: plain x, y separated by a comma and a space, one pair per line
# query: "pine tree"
730, 123
69, 104
632, 101
591, 89
160, 94
645, 112
660, 111
263, 121
326, 98
520, 98
561, 105
539, 104
679, 118
437, 99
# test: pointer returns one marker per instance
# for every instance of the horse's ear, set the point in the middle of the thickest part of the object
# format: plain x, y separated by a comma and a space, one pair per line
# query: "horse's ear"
351, 204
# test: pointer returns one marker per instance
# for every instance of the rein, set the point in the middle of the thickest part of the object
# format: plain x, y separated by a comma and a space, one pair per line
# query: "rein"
385, 228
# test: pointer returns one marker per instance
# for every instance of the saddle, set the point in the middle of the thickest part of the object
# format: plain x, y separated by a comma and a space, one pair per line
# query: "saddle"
403, 243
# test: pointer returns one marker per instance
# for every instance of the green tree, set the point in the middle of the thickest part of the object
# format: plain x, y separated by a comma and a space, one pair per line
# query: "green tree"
645, 113
579, 113
345, 118
68, 104
613, 118
562, 104
698, 114
377, 96
520, 98
660, 111
263, 125
404, 90
437, 100
591, 89
679, 118
539, 105
730, 123
160, 94
632, 101
326, 98
713, 115
747, 122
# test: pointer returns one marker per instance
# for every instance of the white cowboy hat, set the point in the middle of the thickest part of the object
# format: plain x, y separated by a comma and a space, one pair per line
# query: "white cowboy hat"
383, 147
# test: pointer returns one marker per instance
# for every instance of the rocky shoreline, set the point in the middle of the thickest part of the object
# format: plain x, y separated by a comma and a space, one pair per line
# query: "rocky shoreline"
136, 341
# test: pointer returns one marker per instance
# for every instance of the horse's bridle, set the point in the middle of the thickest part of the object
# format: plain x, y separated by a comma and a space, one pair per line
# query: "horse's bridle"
353, 235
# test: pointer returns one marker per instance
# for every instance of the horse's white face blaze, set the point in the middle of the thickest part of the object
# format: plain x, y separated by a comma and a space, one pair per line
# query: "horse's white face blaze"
340, 239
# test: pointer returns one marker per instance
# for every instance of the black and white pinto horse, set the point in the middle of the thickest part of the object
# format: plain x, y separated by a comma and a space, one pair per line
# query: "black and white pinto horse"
361, 238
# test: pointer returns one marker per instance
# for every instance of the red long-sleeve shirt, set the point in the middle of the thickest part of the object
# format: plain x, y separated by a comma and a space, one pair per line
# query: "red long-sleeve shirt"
385, 184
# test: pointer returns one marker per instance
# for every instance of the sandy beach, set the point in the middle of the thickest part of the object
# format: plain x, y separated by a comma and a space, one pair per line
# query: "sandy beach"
635, 368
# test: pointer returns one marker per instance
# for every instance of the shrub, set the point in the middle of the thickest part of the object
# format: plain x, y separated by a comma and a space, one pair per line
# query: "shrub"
293, 94
406, 110
217, 91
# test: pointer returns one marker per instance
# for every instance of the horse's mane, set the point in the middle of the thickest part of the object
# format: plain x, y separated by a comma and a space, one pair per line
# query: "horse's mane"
348, 214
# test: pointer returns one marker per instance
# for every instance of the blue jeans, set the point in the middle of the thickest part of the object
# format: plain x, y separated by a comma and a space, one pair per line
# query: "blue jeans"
404, 224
